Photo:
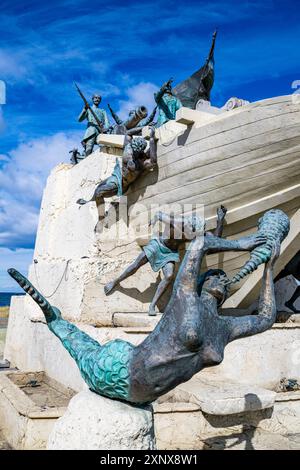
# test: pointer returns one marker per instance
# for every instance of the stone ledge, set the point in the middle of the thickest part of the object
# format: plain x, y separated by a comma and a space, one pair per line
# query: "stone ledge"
288, 396
135, 319
219, 397
180, 407
286, 326
189, 117
111, 140
166, 133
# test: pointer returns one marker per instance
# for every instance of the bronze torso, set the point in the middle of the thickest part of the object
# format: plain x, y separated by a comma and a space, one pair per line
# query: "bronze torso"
184, 340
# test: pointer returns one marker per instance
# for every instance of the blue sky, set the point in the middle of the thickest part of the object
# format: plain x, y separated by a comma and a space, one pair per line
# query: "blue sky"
125, 50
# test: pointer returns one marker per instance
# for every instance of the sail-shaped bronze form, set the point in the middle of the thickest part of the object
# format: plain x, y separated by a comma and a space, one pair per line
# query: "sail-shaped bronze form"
198, 86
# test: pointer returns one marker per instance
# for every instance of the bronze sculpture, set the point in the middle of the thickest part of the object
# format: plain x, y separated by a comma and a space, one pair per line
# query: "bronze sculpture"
190, 336
135, 161
167, 103
162, 253
76, 156
133, 125
97, 122
198, 86
274, 225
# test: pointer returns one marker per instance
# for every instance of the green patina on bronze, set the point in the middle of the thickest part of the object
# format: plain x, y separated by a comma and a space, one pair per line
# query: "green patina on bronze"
92, 126
159, 254
104, 368
274, 225
116, 178
167, 104
190, 336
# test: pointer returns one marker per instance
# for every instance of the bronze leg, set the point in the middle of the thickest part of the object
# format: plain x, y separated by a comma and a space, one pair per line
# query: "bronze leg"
168, 273
131, 269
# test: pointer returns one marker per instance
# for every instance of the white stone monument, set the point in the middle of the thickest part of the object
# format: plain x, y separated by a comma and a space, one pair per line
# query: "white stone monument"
93, 422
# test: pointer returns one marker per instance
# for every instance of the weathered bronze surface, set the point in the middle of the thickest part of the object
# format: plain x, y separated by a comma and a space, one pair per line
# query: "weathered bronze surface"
190, 336
167, 103
274, 225
97, 121
162, 253
135, 161
198, 86
133, 125
76, 156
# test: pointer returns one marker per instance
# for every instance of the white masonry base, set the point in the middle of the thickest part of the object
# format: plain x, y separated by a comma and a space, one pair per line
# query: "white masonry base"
92, 422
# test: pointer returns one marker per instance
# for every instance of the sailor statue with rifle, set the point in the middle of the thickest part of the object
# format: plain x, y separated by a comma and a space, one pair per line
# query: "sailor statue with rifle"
97, 121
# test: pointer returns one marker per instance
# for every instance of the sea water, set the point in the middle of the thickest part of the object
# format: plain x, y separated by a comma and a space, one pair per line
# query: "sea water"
5, 298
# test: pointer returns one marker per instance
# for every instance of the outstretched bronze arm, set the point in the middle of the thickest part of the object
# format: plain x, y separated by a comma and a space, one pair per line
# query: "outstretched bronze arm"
173, 224
215, 244
149, 119
162, 217
158, 96
249, 325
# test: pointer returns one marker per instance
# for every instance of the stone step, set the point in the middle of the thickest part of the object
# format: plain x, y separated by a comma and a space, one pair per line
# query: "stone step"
281, 317
136, 320
140, 321
137, 330
143, 323
221, 397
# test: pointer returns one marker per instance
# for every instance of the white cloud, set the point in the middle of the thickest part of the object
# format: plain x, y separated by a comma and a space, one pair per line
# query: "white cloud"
10, 65
140, 94
22, 179
19, 259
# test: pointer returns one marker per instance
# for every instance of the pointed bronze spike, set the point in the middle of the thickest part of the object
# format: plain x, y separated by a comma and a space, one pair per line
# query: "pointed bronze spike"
212, 47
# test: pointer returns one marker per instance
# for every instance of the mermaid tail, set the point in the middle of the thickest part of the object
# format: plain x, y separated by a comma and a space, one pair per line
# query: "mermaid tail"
105, 368
49, 311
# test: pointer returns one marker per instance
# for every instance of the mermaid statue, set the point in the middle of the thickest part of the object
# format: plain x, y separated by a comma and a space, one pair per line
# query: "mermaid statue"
190, 336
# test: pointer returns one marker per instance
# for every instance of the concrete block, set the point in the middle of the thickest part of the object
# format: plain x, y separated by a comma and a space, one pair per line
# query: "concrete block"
111, 140
219, 397
189, 116
93, 422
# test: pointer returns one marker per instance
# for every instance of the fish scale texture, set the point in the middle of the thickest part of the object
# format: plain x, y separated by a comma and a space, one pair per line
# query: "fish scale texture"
104, 368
